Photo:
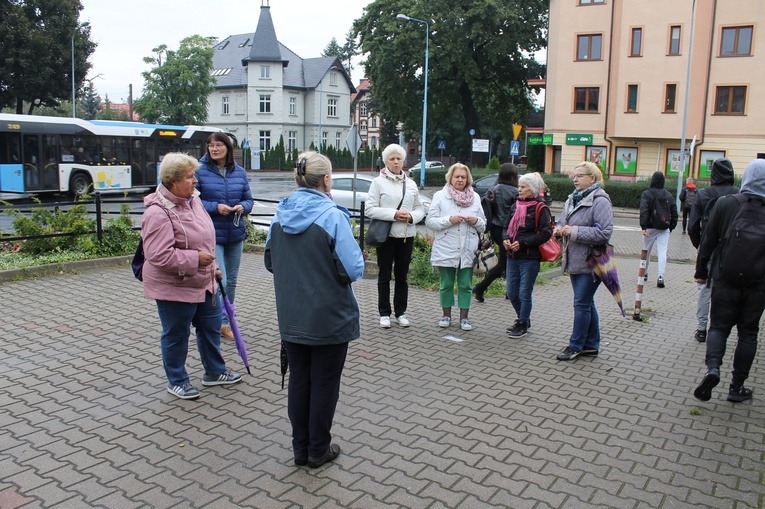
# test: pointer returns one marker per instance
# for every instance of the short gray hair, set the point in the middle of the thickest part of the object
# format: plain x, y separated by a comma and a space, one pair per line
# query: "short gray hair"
533, 180
174, 165
393, 148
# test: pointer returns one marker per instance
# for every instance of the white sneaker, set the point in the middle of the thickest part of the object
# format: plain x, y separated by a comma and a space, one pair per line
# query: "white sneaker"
445, 321
385, 322
465, 324
403, 321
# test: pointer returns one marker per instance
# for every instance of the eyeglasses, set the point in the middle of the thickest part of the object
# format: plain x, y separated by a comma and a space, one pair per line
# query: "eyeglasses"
216, 145
580, 175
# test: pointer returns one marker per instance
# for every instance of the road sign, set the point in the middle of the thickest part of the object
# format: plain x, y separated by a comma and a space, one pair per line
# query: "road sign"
480, 145
516, 131
472, 132
246, 144
441, 145
354, 140
515, 147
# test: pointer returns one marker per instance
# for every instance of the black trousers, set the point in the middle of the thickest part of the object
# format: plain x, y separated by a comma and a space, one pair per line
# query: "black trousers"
686, 211
393, 258
743, 308
495, 272
313, 391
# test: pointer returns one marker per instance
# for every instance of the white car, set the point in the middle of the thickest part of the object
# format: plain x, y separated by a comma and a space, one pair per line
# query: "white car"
429, 165
342, 191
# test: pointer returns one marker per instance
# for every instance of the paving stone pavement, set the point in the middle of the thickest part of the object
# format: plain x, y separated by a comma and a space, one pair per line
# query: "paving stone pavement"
423, 421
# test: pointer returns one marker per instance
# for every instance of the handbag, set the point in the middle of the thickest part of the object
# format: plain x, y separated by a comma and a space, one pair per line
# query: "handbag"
139, 258
485, 258
550, 250
379, 229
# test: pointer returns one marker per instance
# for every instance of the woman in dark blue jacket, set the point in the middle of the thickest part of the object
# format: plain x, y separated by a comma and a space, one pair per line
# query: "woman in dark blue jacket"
225, 193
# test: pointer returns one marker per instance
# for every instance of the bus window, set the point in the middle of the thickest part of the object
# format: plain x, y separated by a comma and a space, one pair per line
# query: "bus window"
10, 148
31, 163
50, 161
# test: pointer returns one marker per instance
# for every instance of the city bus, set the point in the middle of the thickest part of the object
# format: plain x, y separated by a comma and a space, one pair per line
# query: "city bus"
69, 155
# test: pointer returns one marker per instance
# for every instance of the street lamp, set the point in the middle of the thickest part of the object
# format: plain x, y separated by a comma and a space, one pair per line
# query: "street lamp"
425, 98
321, 105
74, 105
683, 155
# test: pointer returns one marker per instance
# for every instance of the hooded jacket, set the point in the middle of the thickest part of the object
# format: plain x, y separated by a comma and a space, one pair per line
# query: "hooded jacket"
172, 239
454, 245
592, 223
722, 178
233, 189
753, 186
652, 194
314, 258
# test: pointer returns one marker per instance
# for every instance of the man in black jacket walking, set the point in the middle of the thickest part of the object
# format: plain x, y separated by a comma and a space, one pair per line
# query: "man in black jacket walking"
734, 303
658, 217
721, 185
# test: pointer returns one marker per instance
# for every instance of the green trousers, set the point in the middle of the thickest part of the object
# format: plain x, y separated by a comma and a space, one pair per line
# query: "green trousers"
464, 286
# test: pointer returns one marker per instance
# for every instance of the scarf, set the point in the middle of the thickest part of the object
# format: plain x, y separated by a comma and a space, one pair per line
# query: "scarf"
519, 218
577, 196
461, 198
385, 172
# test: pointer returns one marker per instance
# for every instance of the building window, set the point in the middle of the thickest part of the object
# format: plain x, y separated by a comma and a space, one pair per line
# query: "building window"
589, 47
674, 40
731, 100
265, 140
374, 121
337, 140
586, 99
363, 109
332, 107
632, 97
590, 2
636, 45
333, 79
291, 141
324, 139
265, 103
373, 142
224, 109
363, 127
670, 98
265, 71
736, 41
293, 105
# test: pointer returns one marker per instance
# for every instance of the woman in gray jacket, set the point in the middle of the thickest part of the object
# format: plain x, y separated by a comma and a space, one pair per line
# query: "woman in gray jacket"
587, 219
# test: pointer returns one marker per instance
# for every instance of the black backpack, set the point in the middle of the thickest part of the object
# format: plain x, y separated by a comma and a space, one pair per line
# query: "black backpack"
660, 215
690, 196
487, 203
742, 252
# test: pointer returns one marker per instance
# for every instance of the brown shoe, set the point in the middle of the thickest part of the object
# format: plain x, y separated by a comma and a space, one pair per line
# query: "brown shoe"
225, 332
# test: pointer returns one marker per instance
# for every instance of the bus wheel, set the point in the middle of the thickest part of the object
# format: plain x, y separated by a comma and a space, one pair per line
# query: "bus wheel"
79, 184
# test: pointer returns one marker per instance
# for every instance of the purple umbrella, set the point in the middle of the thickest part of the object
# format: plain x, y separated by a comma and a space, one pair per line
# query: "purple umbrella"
230, 311
603, 264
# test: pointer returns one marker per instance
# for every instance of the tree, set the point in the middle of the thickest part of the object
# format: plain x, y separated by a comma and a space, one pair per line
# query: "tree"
333, 49
350, 50
108, 113
36, 37
481, 58
91, 102
176, 88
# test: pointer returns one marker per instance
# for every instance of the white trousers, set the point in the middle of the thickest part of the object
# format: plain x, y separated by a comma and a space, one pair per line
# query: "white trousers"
661, 239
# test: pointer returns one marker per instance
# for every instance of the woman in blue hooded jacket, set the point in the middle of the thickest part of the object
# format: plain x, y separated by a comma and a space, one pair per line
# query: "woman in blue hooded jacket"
225, 193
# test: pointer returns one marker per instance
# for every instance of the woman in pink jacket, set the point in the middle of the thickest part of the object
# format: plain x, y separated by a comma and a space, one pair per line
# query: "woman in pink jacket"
179, 272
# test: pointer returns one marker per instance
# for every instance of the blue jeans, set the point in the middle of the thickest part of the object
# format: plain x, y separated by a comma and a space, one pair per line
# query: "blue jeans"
177, 319
229, 256
521, 276
586, 333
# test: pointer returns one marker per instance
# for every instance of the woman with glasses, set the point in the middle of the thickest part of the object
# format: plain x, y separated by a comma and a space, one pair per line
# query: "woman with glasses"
225, 193
587, 219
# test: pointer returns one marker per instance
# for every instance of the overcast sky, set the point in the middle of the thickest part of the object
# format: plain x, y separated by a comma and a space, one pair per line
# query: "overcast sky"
127, 30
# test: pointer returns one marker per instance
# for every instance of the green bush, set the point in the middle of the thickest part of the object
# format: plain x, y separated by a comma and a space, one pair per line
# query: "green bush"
623, 193
493, 164
43, 221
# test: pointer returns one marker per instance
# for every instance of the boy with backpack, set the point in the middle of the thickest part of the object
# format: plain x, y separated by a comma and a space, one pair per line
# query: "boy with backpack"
721, 184
734, 246
687, 197
658, 217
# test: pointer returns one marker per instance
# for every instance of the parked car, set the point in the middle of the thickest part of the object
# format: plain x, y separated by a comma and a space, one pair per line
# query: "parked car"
342, 191
483, 184
429, 165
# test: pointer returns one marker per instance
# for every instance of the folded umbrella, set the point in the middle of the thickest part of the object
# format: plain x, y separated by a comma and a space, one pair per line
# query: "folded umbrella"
603, 264
229, 309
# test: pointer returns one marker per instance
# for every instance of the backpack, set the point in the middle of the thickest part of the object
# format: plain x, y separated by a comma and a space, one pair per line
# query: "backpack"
487, 203
660, 215
742, 253
690, 196
139, 258
706, 212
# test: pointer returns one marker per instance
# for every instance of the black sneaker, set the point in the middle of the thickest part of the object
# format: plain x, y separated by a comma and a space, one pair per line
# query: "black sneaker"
737, 394
589, 352
519, 330
568, 354
704, 391
528, 325
701, 336
660, 282
332, 453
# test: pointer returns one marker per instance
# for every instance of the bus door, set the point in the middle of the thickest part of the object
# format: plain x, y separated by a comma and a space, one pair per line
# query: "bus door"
11, 168
143, 158
32, 160
49, 162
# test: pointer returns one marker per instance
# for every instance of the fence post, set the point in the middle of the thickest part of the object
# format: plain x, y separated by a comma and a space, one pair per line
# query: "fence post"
99, 230
361, 227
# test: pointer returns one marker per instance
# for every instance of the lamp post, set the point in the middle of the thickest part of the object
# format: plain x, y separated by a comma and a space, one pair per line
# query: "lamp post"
425, 96
683, 155
321, 105
74, 104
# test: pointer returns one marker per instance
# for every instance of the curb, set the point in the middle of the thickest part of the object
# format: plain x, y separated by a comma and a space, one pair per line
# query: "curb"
62, 267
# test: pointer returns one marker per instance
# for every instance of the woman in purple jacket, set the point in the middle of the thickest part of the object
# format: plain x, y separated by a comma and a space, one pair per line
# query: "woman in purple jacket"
179, 272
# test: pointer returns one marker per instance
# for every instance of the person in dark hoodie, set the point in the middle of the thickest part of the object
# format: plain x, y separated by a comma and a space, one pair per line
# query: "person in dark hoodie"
225, 193
721, 185
687, 197
314, 258
657, 227
737, 299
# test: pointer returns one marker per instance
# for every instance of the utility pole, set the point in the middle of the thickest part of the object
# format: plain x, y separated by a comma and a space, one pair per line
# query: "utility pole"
130, 101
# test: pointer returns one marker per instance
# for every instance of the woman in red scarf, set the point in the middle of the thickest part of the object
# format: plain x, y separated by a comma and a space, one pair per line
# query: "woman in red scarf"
528, 229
